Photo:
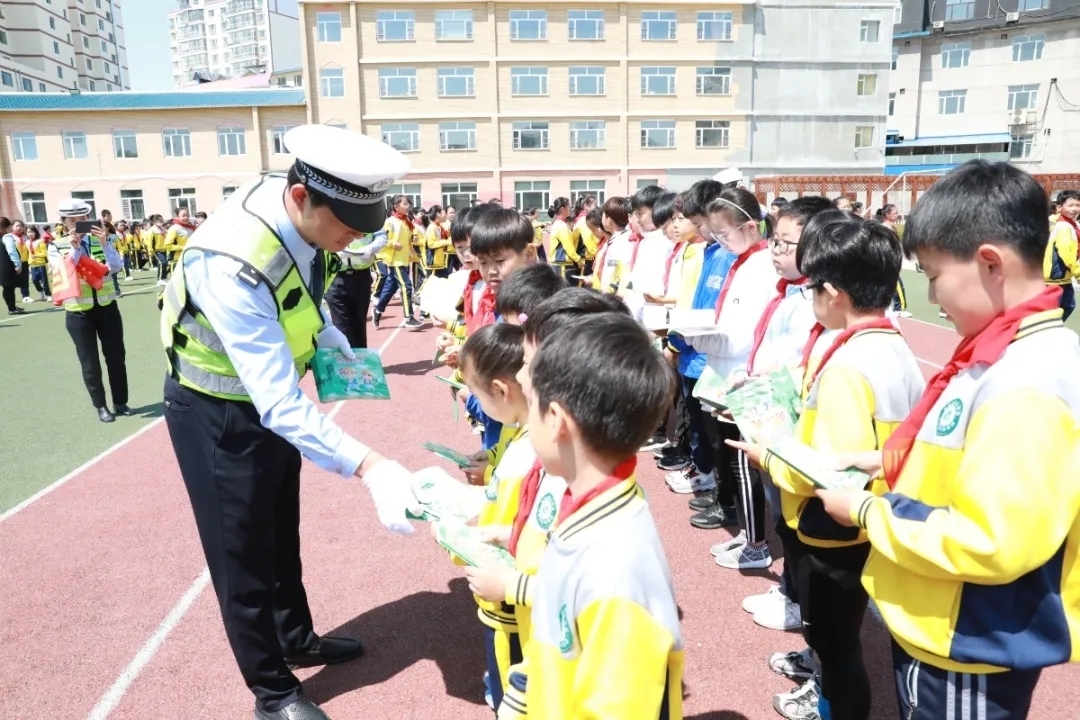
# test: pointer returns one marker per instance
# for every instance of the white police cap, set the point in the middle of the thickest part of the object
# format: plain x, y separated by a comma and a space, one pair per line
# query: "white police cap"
729, 176
73, 207
351, 169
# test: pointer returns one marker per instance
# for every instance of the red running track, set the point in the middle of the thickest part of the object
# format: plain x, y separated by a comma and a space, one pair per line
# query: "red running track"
93, 569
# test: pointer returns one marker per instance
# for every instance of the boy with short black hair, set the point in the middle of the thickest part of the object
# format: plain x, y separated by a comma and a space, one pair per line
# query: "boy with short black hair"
525, 289
645, 266
606, 639
972, 561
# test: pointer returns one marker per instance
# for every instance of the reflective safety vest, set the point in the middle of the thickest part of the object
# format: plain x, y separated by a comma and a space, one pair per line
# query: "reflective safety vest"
88, 296
196, 355
350, 261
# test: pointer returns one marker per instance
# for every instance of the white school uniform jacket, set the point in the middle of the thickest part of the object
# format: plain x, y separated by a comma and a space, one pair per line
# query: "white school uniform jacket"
651, 261
787, 332
752, 286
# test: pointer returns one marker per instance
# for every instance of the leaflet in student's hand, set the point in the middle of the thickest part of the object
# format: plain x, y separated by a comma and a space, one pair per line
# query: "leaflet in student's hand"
693, 323
467, 543
712, 388
767, 407
818, 467
445, 498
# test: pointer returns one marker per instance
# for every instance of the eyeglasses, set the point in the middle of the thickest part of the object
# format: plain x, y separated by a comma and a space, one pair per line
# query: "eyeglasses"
781, 245
808, 290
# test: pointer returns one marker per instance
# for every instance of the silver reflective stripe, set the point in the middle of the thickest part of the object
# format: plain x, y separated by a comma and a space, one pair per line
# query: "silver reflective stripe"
209, 382
172, 300
204, 335
278, 267
79, 301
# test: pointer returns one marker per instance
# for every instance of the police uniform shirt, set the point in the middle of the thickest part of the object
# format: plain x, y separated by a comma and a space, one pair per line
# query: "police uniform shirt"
246, 321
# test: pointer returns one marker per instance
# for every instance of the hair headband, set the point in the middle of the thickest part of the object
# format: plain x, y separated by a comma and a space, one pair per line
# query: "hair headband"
728, 202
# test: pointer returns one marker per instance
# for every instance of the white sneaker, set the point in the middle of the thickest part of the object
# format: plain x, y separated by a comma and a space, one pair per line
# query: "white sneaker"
28, 299
161, 283
799, 665
778, 613
728, 545
753, 603
745, 557
130, 278
799, 704
904, 313
693, 482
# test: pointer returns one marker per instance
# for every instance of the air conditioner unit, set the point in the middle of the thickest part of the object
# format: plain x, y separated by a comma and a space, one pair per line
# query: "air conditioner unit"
1018, 117
939, 24
1012, 17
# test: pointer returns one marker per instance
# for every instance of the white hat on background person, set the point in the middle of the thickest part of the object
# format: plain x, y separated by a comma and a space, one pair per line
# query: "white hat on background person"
73, 207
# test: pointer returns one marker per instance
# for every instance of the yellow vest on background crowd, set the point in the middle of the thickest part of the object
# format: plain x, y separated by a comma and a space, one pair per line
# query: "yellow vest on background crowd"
196, 356
87, 294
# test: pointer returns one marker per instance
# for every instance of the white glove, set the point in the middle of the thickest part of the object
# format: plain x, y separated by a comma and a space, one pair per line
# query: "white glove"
391, 489
332, 338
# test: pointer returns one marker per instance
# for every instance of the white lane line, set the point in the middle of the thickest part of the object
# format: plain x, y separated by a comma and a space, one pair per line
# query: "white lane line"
931, 364
947, 328
112, 697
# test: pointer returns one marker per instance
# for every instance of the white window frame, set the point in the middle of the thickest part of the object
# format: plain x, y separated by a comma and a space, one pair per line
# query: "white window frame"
582, 129
593, 77
1033, 5
129, 200
1029, 93
526, 76
578, 20
956, 10
277, 139
393, 77
892, 104
328, 25
24, 146
448, 130
227, 191
666, 23
449, 77
332, 82
955, 55
87, 196
173, 139
584, 188
34, 209
523, 189
121, 149
453, 25
1024, 44
394, 133
707, 77
952, 102
895, 59
657, 80
722, 129
182, 198
1020, 146
412, 191
527, 19
384, 17
231, 138
518, 130
718, 23
73, 142
648, 127
449, 190
870, 31
862, 142
866, 86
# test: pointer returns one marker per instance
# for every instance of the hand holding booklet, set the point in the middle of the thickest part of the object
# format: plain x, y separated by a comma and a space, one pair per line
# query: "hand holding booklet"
446, 499
767, 407
466, 543
338, 378
818, 467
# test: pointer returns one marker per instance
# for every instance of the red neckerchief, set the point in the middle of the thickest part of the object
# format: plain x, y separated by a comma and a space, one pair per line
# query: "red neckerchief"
838, 342
679, 247
635, 245
1066, 218
443, 232
763, 324
402, 218
183, 224
571, 505
986, 348
530, 488
485, 309
750, 252
581, 215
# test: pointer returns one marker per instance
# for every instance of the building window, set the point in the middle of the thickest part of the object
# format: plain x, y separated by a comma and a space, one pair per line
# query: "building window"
453, 25
955, 55
864, 136
869, 31
329, 26
1020, 146
714, 25
644, 183
397, 82
895, 58
1023, 97
75, 146
528, 81
959, 10
713, 81
457, 82
1028, 47
455, 136
585, 188
89, 63
530, 135
712, 133
1030, 5
92, 85
404, 137
331, 83
7, 78
657, 81
82, 19
125, 144
532, 193
587, 134
587, 80
277, 139
395, 25
528, 24
409, 190
458, 195
180, 198
231, 141
132, 205
87, 196
892, 104
227, 191
951, 102
177, 142
42, 88
659, 24
657, 133
867, 85
33, 207
86, 42
55, 46
585, 24
24, 146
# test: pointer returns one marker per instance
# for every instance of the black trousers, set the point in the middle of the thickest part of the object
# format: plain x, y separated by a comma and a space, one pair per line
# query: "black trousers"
349, 298
244, 485
751, 505
9, 296
725, 457
24, 280
100, 323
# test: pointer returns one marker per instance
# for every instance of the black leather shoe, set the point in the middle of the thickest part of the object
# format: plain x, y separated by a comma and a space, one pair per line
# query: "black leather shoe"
715, 517
302, 709
104, 415
328, 651
122, 409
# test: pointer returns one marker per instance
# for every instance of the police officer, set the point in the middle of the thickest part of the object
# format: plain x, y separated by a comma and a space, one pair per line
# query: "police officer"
349, 295
93, 316
240, 323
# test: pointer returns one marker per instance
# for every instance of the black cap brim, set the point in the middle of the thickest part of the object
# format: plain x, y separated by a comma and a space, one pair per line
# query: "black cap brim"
363, 218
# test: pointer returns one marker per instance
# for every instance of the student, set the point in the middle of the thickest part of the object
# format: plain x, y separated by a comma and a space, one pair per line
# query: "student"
606, 639
437, 242
581, 234
855, 395
971, 561
566, 255
392, 271
615, 217
649, 258
525, 290
1060, 264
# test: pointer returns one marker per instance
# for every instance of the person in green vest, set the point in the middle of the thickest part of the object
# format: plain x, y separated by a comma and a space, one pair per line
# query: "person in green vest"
93, 316
241, 320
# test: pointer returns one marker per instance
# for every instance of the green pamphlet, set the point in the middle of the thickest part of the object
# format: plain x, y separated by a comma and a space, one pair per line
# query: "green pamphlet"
816, 467
767, 407
443, 497
451, 382
459, 459
338, 378
466, 542
712, 389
